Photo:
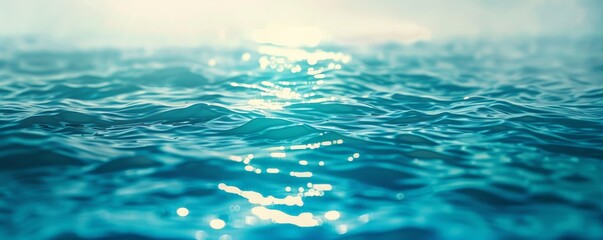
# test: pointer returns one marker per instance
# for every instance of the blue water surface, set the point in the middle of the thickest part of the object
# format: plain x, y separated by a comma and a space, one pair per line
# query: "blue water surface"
441, 140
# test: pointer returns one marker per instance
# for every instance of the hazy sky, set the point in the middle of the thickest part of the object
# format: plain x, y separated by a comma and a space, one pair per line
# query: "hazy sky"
191, 22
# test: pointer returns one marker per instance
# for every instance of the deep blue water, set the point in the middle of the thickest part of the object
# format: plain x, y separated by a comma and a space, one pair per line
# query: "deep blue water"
457, 140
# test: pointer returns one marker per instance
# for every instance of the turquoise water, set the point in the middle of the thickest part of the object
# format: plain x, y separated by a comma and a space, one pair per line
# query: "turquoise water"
457, 140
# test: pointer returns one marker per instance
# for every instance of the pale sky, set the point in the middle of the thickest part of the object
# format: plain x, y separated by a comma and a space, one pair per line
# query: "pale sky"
210, 22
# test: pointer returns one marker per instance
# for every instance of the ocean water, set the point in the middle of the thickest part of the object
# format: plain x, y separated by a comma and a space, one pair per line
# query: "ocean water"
440, 140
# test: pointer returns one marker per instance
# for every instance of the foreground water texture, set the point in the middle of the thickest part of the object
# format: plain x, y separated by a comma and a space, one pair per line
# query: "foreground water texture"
463, 140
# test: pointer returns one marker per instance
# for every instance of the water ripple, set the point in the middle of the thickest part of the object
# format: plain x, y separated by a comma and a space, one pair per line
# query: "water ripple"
430, 141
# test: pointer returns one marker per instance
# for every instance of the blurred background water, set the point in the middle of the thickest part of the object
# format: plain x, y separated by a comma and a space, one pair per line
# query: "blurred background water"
404, 131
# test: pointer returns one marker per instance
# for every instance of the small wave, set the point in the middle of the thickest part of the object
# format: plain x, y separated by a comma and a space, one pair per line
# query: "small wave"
429, 141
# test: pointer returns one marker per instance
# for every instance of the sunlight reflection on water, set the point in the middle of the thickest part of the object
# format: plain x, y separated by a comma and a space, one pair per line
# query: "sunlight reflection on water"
278, 54
321, 141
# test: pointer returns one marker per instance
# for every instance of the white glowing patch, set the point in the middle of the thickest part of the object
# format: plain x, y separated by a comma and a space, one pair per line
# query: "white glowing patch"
323, 187
301, 174
313, 71
346, 59
249, 168
321, 163
183, 212
235, 158
267, 84
278, 148
245, 57
278, 154
258, 198
302, 220
217, 223
303, 162
313, 193
264, 62
298, 147
313, 145
356, 155
286, 93
342, 229
211, 62
272, 170
296, 69
332, 215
